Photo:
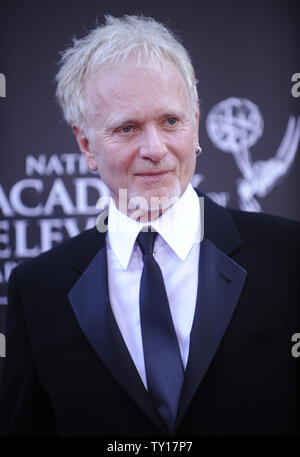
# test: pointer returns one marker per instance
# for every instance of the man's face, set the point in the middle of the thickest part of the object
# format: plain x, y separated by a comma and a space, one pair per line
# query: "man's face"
143, 131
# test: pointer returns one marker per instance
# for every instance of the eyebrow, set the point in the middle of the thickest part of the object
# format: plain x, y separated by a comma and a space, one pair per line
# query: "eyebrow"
123, 121
113, 125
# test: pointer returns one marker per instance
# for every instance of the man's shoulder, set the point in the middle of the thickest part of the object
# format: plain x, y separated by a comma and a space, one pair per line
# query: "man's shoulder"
62, 256
252, 223
267, 229
249, 228
261, 221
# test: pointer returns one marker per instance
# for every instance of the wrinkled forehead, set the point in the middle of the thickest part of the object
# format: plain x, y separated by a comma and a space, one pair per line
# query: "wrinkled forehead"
127, 81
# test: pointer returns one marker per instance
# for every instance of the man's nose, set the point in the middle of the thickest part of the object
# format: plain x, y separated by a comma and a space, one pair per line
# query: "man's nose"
152, 146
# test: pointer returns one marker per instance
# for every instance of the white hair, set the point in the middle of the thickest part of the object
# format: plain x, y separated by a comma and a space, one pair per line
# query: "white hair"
115, 42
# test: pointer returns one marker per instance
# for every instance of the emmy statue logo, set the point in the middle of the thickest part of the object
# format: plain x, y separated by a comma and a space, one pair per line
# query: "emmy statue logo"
235, 125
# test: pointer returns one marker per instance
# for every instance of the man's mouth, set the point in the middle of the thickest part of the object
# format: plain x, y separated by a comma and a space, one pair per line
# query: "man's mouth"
153, 173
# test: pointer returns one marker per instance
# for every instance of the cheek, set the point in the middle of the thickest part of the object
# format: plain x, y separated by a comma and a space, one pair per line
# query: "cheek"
115, 165
189, 165
185, 148
186, 158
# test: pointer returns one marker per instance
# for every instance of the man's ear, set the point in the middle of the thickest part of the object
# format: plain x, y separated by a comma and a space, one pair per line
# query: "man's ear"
84, 147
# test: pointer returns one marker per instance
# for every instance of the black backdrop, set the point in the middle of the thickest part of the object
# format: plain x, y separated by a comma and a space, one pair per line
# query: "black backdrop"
246, 55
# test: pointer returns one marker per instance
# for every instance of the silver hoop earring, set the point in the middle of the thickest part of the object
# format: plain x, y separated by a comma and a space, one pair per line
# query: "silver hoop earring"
198, 150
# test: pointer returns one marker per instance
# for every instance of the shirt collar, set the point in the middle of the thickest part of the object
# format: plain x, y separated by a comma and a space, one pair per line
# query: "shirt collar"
179, 226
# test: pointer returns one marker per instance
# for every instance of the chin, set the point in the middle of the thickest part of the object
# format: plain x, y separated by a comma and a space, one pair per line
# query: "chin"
159, 198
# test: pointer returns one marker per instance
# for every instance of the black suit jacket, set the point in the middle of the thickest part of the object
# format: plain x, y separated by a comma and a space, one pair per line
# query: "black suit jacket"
68, 370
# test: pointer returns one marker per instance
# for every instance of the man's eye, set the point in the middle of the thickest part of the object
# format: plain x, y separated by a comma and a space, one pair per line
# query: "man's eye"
127, 128
172, 120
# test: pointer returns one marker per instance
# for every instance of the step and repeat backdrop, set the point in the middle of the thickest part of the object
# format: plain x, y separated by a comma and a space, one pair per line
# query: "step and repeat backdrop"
247, 59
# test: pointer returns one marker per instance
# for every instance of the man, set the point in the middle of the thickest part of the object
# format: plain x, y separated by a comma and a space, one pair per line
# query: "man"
141, 329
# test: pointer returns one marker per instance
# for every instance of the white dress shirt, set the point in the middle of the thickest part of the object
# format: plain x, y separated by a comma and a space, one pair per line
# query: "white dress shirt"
176, 249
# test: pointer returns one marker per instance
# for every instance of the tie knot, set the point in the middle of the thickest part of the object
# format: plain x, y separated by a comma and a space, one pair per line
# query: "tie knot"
146, 240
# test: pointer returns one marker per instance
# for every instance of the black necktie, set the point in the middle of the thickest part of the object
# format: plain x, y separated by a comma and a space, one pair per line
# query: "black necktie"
164, 368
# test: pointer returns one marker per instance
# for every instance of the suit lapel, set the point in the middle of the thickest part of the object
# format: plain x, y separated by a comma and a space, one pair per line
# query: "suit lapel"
89, 299
220, 283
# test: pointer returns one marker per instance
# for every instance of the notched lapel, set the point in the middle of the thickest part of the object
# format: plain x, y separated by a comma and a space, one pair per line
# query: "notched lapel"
89, 299
220, 284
